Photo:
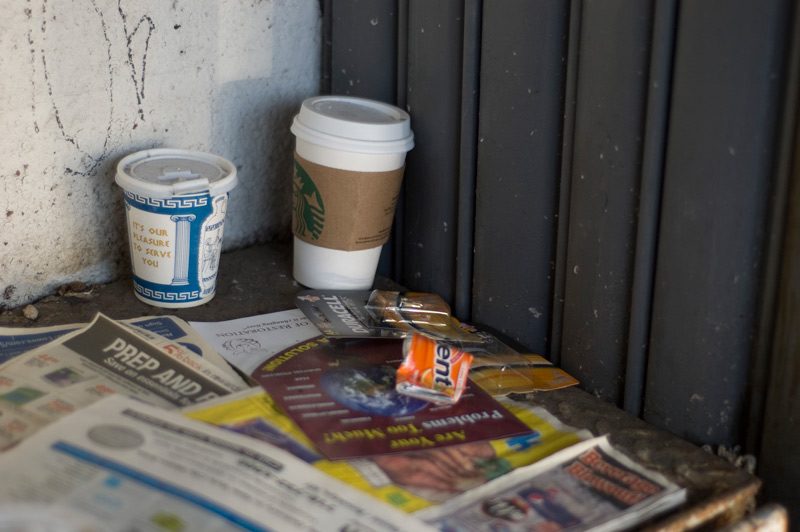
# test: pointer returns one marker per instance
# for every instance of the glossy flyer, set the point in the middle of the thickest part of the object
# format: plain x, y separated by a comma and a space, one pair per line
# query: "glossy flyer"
342, 394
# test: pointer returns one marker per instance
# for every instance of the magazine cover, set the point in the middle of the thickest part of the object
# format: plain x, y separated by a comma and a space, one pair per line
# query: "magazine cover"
588, 486
342, 394
408, 481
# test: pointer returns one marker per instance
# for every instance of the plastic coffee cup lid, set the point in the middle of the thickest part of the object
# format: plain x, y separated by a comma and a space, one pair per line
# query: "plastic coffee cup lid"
163, 173
354, 124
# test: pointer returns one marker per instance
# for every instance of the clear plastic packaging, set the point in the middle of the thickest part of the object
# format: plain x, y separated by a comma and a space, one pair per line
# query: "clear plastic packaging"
399, 309
496, 367
502, 374
432, 370
413, 312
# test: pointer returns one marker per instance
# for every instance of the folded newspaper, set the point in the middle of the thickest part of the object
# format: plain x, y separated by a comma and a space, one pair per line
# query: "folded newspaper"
120, 464
587, 486
106, 357
408, 481
108, 463
163, 330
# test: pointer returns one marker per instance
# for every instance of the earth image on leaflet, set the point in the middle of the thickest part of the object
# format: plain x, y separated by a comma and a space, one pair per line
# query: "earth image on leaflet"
371, 390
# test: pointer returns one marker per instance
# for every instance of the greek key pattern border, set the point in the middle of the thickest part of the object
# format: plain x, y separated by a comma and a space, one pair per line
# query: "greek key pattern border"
172, 203
158, 295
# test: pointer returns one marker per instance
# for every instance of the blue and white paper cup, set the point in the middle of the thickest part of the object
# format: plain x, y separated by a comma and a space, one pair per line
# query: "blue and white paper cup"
175, 202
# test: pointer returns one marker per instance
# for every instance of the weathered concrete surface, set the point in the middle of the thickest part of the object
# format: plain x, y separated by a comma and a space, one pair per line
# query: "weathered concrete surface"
254, 280
85, 83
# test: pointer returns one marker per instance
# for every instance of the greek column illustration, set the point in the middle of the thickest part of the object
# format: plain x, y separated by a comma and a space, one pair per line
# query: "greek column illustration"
182, 234
130, 236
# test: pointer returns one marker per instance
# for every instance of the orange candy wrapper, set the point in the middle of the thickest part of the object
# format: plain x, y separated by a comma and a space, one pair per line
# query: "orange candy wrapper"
432, 370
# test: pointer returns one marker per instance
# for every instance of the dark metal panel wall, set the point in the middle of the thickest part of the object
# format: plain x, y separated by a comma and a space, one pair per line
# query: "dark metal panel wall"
431, 183
649, 208
533, 199
717, 185
605, 181
521, 106
599, 181
363, 48
470, 99
779, 461
773, 421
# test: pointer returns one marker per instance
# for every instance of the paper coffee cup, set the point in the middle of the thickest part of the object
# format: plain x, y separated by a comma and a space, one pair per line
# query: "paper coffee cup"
175, 203
349, 162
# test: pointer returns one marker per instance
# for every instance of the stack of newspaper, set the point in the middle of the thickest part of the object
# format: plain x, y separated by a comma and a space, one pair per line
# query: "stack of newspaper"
256, 424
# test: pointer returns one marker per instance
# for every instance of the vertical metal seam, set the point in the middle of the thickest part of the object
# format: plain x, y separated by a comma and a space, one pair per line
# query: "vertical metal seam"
565, 187
327, 44
468, 157
398, 227
652, 176
402, 53
785, 158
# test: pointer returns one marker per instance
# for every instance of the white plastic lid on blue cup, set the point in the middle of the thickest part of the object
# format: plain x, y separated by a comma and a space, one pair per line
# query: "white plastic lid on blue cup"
165, 172
354, 124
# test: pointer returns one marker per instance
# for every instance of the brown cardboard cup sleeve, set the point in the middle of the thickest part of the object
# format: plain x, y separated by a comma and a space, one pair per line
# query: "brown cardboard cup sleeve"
343, 209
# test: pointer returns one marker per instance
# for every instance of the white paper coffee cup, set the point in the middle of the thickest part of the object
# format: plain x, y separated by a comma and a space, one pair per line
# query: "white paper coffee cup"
175, 204
349, 161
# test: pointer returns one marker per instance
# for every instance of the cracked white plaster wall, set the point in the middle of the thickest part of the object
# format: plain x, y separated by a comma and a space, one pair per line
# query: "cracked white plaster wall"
85, 83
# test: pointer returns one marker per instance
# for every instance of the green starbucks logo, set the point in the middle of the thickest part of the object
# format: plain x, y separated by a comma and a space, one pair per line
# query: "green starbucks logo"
309, 212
